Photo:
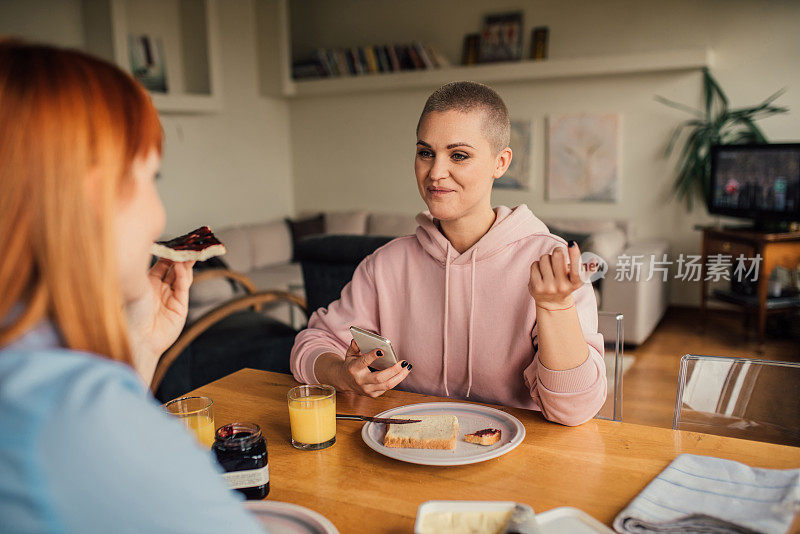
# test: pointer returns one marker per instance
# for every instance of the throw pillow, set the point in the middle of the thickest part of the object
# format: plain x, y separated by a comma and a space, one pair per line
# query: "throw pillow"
568, 236
346, 223
303, 228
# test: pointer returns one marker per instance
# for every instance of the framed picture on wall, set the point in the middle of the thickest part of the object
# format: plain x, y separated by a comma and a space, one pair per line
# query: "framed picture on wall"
501, 37
518, 174
583, 157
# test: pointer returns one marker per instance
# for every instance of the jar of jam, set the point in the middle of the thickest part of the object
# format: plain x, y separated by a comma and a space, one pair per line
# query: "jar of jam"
242, 451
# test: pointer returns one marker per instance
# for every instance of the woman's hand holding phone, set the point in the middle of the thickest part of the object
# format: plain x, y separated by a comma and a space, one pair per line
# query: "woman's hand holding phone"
353, 374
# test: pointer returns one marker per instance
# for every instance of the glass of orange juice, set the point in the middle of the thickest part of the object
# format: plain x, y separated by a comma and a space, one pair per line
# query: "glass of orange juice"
312, 415
197, 416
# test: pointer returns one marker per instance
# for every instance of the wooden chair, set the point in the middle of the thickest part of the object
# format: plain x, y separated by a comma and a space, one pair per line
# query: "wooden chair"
253, 298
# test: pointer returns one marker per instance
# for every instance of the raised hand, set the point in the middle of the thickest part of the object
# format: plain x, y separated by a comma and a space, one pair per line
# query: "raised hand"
156, 319
553, 281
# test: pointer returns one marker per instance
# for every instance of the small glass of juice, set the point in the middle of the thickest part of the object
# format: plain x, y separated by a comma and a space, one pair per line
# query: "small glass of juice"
196, 414
312, 415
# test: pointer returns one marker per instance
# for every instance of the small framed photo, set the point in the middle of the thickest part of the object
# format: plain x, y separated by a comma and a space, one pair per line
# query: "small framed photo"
470, 54
147, 62
501, 38
539, 38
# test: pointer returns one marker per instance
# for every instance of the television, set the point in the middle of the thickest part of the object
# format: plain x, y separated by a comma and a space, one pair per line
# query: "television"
758, 182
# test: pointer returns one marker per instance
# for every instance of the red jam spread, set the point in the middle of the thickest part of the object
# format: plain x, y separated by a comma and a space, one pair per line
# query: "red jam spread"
199, 239
486, 432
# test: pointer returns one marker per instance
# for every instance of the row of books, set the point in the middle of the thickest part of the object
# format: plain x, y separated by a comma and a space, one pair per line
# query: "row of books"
357, 61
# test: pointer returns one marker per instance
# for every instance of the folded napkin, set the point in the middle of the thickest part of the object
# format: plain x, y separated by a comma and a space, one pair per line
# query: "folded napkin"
705, 494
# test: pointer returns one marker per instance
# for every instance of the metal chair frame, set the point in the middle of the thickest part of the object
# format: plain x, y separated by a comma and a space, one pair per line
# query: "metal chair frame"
619, 349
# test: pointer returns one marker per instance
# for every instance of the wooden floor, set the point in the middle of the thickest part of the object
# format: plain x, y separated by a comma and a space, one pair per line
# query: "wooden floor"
649, 385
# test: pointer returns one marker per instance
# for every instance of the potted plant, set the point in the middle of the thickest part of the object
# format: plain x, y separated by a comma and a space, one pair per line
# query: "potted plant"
717, 125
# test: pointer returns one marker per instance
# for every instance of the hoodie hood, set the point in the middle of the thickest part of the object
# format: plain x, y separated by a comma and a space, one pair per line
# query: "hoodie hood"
510, 226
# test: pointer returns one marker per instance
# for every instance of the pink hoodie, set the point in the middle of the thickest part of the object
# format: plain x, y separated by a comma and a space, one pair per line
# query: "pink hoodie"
465, 321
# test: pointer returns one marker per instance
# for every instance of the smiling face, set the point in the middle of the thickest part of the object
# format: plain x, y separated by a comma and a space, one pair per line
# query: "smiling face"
455, 164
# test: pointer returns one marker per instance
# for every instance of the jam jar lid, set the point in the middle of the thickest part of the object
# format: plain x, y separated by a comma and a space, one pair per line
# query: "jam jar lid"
238, 436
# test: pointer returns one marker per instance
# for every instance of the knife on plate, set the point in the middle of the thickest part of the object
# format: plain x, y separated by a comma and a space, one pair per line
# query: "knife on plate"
383, 420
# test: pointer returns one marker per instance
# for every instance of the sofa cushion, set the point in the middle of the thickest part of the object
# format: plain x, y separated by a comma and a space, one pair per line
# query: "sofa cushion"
390, 224
271, 242
238, 243
608, 244
346, 223
305, 227
581, 226
213, 291
277, 276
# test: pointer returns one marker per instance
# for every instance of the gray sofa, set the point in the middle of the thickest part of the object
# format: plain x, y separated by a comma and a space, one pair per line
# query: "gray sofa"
263, 252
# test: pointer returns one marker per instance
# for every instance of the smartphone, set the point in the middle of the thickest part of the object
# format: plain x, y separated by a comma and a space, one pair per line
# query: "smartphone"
368, 341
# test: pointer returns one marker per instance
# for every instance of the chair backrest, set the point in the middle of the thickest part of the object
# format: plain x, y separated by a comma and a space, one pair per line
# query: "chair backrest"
615, 365
739, 397
328, 263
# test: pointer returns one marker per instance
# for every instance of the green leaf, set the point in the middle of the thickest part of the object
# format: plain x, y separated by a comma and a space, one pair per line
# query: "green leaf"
755, 130
759, 111
740, 137
774, 96
708, 93
677, 132
678, 105
714, 93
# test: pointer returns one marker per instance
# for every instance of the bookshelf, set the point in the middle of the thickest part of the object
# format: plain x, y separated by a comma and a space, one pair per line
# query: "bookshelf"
192, 55
519, 71
669, 61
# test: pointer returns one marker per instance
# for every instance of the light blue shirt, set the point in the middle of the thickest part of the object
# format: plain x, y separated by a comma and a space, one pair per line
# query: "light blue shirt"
84, 448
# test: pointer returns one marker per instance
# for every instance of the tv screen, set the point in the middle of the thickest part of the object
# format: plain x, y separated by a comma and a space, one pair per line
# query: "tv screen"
759, 182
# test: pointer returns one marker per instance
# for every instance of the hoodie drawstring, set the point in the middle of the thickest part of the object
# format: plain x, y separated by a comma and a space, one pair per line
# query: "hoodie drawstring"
446, 316
471, 312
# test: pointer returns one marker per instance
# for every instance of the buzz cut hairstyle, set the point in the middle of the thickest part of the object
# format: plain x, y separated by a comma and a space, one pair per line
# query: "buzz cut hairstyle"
470, 96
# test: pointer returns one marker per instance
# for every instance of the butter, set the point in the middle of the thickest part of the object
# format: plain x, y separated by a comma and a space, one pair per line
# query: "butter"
488, 522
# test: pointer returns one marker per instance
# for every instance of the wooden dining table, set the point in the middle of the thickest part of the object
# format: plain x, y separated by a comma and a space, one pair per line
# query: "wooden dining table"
598, 467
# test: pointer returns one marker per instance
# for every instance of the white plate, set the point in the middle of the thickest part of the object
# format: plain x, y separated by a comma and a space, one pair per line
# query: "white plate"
555, 521
287, 518
471, 418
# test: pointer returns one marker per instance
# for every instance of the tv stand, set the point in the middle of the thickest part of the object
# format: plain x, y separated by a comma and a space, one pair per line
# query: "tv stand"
775, 248
766, 227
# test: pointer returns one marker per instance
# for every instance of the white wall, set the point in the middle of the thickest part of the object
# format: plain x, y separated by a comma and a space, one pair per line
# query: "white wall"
220, 169
356, 151
264, 157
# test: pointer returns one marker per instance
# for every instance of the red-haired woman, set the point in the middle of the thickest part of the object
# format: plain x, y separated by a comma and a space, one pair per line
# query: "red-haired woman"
84, 448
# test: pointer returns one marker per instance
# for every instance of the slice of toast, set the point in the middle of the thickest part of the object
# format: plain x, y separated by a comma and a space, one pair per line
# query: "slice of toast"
432, 432
487, 436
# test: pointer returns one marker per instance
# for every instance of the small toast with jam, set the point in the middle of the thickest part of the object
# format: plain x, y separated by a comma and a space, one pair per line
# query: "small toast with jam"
487, 436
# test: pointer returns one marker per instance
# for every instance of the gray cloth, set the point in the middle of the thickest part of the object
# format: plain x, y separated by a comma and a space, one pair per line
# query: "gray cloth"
706, 494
